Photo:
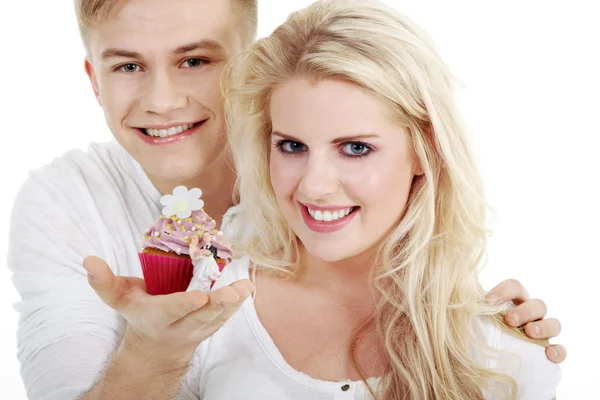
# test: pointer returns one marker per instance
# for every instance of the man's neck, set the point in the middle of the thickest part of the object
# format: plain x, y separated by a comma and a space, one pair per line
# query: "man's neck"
217, 188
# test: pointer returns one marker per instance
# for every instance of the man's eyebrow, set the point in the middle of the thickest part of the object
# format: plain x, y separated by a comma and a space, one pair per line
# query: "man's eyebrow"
207, 44
113, 52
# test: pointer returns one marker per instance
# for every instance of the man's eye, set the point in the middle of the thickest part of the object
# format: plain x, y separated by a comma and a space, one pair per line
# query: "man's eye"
193, 62
130, 67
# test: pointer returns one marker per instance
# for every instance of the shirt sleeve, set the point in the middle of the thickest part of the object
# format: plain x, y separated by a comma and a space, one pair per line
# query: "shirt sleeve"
536, 376
66, 334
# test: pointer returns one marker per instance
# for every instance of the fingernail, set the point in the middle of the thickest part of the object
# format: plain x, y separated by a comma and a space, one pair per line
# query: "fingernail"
91, 277
536, 330
514, 318
553, 353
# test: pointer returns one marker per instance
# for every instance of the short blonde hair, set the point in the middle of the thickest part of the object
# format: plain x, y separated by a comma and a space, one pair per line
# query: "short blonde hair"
92, 12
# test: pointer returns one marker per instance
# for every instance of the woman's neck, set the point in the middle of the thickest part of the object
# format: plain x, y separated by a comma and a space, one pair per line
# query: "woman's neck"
351, 278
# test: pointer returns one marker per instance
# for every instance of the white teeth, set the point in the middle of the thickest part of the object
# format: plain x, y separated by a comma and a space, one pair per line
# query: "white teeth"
328, 216
168, 132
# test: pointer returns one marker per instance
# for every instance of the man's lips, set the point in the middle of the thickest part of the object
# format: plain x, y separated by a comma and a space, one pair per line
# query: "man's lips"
168, 129
168, 134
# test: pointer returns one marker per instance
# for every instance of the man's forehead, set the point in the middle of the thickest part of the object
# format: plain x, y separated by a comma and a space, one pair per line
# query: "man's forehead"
152, 27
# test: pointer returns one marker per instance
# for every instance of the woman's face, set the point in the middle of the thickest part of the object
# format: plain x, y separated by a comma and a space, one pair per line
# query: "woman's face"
340, 169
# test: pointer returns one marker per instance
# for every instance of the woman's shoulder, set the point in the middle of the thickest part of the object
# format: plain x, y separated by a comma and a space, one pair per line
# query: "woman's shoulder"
525, 361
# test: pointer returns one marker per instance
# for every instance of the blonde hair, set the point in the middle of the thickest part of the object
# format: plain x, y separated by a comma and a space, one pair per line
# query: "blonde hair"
92, 12
428, 275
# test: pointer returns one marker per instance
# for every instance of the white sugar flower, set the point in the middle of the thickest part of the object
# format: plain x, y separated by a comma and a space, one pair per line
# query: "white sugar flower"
182, 202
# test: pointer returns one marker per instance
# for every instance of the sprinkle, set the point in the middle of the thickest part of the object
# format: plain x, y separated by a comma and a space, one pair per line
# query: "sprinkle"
156, 234
219, 233
193, 229
178, 250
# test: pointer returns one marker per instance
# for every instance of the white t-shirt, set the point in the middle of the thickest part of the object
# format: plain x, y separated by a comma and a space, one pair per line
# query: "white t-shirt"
99, 203
241, 361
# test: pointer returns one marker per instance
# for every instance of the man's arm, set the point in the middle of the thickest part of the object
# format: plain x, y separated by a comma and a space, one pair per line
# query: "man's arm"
529, 314
65, 333
136, 372
162, 335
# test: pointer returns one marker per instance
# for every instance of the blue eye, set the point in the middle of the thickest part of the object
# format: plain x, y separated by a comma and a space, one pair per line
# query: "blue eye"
356, 149
289, 146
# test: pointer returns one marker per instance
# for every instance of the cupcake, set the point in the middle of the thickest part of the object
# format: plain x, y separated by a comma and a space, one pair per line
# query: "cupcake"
165, 258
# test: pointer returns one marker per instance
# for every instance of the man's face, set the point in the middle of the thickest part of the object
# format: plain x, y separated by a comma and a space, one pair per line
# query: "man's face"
155, 69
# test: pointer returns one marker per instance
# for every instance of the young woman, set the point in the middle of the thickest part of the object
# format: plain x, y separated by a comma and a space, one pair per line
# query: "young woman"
368, 215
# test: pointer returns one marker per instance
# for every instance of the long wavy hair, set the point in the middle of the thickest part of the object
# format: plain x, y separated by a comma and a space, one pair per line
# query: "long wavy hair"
428, 274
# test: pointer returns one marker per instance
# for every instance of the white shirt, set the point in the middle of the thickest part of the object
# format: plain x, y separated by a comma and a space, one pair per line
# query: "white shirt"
99, 203
241, 361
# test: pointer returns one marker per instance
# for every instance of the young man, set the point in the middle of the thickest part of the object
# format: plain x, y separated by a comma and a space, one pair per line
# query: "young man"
154, 67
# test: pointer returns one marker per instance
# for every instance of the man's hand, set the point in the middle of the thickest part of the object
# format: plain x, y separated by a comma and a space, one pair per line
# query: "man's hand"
168, 325
528, 313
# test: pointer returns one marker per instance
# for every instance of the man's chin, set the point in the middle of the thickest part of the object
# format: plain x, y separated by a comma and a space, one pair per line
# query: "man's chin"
175, 173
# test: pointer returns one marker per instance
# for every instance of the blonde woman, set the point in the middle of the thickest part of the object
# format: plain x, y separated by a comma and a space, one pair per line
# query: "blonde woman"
368, 211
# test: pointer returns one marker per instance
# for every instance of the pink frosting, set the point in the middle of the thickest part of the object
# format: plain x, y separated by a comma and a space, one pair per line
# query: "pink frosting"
172, 234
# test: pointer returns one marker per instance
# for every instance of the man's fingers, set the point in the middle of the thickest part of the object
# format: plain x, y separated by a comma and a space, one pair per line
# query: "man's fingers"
509, 290
228, 297
544, 329
529, 311
243, 289
556, 353
103, 281
178, 305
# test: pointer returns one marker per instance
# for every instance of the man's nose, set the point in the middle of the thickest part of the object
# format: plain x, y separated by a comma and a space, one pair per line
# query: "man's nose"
163, 96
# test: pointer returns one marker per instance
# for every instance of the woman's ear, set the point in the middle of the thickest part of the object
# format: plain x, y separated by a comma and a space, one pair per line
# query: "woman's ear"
428, 133
418, 168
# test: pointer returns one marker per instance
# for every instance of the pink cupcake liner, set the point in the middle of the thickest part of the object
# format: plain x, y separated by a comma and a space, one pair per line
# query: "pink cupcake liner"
164, 274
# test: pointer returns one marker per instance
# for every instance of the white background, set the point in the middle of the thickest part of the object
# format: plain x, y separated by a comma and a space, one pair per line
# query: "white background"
531, 74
